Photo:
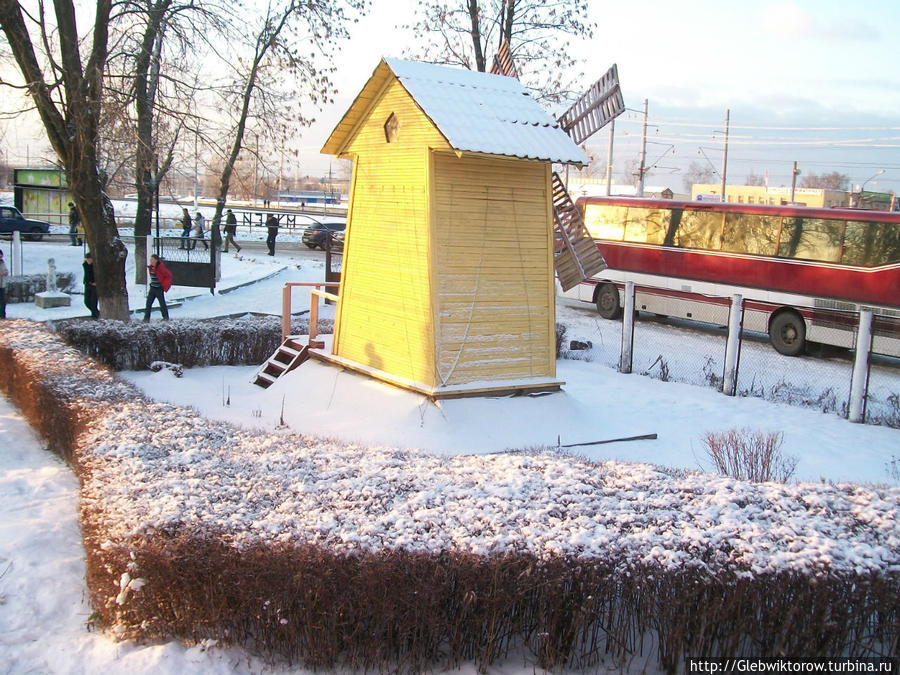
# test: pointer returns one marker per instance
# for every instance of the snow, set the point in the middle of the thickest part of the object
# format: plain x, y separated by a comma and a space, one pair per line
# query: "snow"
485, 113
372, 430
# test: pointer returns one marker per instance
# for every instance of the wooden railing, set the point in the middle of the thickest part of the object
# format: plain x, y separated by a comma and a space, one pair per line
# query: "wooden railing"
314, 296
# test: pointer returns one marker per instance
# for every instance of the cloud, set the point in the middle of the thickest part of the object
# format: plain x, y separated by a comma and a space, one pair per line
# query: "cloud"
790, 20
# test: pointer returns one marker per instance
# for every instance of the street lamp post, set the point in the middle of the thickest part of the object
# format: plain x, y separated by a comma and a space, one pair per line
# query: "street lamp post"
863, 186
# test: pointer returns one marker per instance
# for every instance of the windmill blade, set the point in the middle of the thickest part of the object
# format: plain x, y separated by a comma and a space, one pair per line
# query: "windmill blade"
503, 62
579, 258
596, 108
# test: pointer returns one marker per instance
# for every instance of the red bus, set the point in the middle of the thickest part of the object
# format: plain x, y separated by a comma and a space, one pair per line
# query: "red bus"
803, 272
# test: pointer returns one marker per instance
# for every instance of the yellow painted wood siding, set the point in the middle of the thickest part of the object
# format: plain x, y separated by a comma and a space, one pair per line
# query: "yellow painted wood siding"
493, 269
385, 317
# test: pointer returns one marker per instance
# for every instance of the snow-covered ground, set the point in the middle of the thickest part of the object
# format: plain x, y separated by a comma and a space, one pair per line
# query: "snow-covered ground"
43, 603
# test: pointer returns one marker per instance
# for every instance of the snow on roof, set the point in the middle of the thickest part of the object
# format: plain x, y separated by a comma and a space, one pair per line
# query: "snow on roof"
477, 112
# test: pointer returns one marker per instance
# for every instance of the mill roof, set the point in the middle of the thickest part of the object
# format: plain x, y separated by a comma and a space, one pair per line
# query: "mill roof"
474, 111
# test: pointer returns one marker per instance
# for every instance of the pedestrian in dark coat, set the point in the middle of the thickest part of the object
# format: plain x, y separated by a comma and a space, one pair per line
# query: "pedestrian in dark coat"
231, 231
90, 286
186, 225
272, 227
160, 282
74, 219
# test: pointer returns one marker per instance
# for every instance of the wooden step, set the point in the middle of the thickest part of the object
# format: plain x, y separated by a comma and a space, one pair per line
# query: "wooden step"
288, 356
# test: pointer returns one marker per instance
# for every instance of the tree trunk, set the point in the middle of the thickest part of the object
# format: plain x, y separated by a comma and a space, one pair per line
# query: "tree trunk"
71, 128
475, 19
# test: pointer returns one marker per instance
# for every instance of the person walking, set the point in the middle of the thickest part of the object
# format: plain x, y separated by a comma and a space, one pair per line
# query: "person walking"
74, 219
160, 282
272, 227
4, 279
231, 230
199, 231
90, 286
186, 226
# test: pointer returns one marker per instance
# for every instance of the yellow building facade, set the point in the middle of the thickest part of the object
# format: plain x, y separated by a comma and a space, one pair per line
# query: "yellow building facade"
760, 194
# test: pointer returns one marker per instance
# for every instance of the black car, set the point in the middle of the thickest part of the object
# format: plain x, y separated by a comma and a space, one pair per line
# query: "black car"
316, 235
11, 219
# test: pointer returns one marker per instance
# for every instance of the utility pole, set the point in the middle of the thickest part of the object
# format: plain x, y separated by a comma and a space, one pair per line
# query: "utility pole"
196, 169
725, 152
643, 153
794, 174
609, 156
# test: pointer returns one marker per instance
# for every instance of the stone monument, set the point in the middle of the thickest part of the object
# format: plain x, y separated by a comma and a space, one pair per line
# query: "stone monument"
52, 297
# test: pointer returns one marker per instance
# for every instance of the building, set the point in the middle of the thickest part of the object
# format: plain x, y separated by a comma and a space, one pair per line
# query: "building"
42, 193
761, 194
447, 284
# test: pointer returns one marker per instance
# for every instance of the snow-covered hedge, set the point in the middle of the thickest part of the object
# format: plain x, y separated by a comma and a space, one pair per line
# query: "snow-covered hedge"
190, 342
385, 558
21, 288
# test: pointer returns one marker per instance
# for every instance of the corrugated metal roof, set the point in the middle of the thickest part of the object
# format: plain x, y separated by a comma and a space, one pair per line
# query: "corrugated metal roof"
475, 112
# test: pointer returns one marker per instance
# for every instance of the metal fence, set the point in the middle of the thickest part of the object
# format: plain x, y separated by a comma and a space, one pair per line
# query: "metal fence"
679, 351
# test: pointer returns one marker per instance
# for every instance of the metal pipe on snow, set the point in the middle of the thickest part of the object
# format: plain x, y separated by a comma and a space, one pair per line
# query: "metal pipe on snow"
860, 378
625, 359
733, 345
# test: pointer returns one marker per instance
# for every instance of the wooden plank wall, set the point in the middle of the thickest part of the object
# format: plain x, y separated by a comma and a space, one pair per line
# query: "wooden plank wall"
385, 318
493, 269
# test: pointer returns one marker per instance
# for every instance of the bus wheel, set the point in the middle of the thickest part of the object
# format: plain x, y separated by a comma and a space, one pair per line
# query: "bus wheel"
787, 333
608, 301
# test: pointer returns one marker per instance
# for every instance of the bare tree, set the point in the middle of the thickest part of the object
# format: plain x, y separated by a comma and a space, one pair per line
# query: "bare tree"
826, 181
755, 179
67, 93
154, 93
256, 94
469, 33
698, 173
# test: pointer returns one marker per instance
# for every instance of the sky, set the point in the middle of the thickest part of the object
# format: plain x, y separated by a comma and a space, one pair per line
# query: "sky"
808, 81
44, 605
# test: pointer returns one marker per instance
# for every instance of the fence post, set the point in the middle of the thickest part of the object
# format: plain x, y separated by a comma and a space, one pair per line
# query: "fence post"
285, 312
732, 345
625, 355
860, 379
18, 266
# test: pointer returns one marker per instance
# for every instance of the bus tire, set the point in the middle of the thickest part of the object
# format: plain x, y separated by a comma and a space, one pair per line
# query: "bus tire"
607, 301
787, 333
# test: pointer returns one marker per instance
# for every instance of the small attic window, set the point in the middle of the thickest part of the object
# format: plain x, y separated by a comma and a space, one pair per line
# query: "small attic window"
390, 128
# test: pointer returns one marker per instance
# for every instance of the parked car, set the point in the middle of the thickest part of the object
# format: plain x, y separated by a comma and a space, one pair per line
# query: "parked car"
316, 235
12, 220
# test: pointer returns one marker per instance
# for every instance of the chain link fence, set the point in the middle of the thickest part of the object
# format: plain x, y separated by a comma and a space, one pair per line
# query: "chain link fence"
674, 350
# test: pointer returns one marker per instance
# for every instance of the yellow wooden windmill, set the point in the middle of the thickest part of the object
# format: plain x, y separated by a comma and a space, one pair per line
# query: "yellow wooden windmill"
447, 284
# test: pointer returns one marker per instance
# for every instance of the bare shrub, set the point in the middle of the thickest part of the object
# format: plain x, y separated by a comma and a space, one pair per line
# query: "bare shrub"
893, 469
663, 369
750, 455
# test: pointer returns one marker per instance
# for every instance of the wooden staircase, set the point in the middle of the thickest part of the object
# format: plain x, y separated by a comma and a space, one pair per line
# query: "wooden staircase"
579, 257
287, 357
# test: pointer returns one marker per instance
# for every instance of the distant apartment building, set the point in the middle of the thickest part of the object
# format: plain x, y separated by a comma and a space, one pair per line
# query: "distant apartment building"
760, 194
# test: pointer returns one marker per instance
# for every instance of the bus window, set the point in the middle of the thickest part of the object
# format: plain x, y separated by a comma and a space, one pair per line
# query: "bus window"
811, 239
750, 233
646, 225
871, 244
698, 229
605, 222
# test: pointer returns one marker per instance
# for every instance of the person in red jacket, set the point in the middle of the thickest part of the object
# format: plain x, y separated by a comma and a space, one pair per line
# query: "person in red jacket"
160, 282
